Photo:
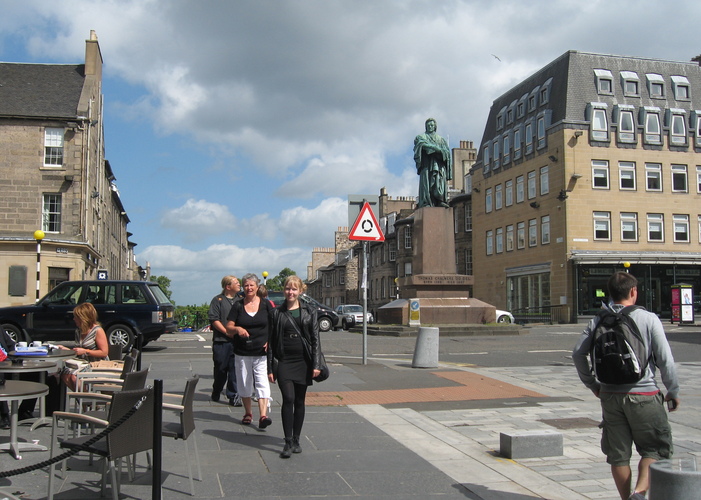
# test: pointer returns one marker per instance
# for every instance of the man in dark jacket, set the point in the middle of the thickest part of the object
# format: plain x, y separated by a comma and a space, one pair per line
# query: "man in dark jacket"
222, 346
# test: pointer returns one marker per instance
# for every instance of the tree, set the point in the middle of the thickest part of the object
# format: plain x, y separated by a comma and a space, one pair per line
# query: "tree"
278, 281
164, 282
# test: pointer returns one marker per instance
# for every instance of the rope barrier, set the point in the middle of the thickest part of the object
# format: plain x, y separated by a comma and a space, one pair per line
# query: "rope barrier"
83, 447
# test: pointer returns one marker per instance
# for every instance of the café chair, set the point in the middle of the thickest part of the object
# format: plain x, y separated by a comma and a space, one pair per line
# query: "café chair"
86, 380
132, 436
185, 426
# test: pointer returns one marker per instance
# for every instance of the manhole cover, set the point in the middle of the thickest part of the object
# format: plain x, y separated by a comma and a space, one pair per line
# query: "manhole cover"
571, 423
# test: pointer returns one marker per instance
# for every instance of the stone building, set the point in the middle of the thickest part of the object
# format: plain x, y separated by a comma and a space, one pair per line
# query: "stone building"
54, 177
590, 163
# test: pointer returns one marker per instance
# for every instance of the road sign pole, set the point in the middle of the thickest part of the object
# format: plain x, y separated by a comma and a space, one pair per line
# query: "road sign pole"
365, 302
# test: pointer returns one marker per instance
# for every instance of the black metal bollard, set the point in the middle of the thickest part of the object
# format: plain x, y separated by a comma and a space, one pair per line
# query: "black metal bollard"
157, 439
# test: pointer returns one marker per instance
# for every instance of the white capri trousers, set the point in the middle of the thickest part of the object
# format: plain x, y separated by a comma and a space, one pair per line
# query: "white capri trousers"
252, 374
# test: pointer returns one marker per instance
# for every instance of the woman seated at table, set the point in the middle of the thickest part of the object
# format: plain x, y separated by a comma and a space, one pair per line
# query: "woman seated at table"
91, 342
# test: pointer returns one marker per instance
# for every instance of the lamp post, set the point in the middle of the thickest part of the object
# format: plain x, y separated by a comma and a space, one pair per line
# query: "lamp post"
265, 277
627, 266
38, 235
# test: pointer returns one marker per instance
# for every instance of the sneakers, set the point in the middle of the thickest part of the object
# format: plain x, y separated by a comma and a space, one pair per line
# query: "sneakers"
236, 401
296, 448
215, 396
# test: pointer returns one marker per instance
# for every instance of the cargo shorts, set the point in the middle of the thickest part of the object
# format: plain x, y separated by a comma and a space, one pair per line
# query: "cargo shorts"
634, 418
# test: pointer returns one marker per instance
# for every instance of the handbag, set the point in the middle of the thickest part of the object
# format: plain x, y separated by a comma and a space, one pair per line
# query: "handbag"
323, 367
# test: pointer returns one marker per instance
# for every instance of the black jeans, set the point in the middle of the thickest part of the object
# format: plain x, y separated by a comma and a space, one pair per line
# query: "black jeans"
224, 369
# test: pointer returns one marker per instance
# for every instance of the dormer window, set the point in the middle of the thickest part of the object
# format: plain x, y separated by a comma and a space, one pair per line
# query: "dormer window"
521, 106
599, 127
650, 117
623, 117
533, 99
676, 121
630, 83
680, 86
604, 81
545, 91
655, 85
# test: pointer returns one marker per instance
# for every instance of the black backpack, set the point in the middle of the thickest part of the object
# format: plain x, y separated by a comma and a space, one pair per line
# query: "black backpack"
618, 352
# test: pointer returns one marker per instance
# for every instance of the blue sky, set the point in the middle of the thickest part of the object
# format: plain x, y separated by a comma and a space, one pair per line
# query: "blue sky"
236, 129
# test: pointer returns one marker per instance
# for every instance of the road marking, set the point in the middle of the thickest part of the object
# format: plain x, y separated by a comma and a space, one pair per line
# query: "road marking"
467, 353
546, 351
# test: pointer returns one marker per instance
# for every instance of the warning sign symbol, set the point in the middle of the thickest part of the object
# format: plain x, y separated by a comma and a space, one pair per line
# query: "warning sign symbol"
366, 227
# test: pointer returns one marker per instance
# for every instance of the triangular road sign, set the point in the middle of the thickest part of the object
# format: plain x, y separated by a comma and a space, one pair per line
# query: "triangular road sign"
366, 227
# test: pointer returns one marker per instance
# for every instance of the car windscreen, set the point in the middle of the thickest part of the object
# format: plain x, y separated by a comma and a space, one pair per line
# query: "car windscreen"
161, 297
354, 309
64, 294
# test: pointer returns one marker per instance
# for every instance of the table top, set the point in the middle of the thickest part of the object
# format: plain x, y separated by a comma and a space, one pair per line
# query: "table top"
21, 389
27, 365
55, 353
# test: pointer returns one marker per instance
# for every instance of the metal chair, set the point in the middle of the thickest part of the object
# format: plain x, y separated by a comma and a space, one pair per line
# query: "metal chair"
132, 436
104, 376
186, 425
114, 352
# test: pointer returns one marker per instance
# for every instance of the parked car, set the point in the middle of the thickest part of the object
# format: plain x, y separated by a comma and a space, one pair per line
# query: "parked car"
327, 317
504, 317
352, 314
125, 309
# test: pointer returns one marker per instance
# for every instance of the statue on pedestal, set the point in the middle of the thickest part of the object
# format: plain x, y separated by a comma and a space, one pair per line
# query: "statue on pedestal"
434, 164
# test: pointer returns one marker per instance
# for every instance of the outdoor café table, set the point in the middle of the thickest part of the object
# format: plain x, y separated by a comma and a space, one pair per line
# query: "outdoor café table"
16, 391
54, 356
17, 366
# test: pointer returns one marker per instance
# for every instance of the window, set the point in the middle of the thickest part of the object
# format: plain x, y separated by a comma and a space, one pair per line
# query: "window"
510, 237
507, 149
498, 197
489, 241
510, 115
602, 226
680, 86
696, 124
698, 179
532, 232
604, 81
655, 85
455, 221
679, 179
545, 230
517, 142
545, 91
541, 132
653, 176
488, 200
500, 240
677, 129
653, 131
521, 235
468, 261
626, 126
509, 190
531, 102
544, 181
630, 83
521, 106
519, 189
681, 228
699, 227
600, 174
500, 121
485, 157
51, 213
53, 147
392, 253
655, 227
407, 236
529, 138
531, 184
468, 218
626, 173
407, 269
599, 122
629, 226
495, 154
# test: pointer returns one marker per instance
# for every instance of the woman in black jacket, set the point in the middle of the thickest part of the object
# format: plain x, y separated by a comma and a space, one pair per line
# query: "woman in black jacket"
294, 349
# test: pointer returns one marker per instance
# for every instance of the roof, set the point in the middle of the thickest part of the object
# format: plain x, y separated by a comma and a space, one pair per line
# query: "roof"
40, 90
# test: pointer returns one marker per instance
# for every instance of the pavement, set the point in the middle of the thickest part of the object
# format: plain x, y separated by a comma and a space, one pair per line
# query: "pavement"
380, 430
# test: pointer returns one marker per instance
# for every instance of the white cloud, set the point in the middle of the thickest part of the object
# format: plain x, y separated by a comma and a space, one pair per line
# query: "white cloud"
199, 218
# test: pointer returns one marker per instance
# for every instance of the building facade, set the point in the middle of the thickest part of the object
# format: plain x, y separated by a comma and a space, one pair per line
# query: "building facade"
588, 166
54, 178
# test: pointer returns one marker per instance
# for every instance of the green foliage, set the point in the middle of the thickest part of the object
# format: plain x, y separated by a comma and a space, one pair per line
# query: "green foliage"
278, 281
194, 317
164, 282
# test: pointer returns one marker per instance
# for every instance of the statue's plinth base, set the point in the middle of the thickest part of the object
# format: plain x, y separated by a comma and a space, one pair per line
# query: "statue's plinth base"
436, 311
435, 286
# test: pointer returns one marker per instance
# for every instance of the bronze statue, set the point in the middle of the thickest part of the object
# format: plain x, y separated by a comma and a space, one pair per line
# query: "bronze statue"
434, 164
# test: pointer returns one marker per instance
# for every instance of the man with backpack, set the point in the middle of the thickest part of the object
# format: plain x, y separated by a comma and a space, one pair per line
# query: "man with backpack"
617, 358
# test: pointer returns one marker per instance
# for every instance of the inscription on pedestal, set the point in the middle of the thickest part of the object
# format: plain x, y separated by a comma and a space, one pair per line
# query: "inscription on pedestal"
440, 279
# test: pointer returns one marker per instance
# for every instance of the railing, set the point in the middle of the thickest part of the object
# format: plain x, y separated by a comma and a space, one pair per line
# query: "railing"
543, 314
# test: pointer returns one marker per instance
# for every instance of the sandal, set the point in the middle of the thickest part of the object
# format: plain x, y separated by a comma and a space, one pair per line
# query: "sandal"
264, 422
247, 419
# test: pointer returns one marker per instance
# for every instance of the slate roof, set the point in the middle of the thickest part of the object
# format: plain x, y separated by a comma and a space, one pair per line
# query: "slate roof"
40, 90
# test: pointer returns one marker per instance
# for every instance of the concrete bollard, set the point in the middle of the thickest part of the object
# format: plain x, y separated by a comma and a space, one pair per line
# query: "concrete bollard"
426, 350
675, 478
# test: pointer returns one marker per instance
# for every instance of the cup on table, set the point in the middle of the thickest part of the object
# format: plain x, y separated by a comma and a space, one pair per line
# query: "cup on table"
21, 344
36, 343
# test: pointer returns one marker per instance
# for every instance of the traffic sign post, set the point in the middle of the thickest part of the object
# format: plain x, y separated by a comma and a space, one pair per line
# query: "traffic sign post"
366, 229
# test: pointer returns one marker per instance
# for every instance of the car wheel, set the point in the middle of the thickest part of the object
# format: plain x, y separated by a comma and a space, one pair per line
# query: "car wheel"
13, 332
121, 335
325, 324
503, 319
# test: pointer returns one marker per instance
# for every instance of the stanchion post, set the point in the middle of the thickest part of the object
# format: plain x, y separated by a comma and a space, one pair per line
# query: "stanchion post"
157, 439
138, 343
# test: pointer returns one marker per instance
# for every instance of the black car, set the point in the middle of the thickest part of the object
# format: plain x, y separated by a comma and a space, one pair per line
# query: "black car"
327, 317
125, 309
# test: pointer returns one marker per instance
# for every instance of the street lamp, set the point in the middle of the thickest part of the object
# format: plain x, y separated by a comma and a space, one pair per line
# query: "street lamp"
265, 277
626, 265
38, 235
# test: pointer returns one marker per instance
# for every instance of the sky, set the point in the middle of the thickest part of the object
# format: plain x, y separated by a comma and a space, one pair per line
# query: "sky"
237, 129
